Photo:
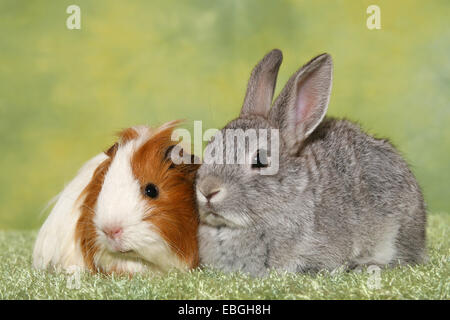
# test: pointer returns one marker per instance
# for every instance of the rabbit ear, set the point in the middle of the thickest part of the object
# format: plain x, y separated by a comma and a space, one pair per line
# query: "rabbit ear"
261, 85
303, 102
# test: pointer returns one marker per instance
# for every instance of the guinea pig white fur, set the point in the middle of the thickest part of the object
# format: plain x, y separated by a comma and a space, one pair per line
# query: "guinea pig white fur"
130, 209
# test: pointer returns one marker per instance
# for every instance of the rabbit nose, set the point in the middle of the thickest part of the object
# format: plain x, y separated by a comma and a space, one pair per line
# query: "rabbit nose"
210, 188
113, 232
211, 194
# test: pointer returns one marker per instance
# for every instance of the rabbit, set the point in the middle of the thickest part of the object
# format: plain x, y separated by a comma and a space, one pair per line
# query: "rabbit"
339, 199
129, 209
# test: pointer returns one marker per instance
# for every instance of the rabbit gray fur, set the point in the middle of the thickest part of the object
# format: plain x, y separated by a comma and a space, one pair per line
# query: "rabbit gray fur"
340, 197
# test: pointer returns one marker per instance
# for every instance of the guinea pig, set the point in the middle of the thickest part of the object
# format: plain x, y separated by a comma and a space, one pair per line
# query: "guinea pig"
129, 209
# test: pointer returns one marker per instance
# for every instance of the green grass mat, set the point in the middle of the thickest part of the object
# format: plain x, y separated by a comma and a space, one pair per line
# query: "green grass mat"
430, 281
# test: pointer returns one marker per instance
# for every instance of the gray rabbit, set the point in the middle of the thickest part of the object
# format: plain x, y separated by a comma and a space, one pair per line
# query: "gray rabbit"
340, 197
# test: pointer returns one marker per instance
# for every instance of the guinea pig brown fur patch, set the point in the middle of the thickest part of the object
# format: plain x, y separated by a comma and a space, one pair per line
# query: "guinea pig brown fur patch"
176, 196
85, 232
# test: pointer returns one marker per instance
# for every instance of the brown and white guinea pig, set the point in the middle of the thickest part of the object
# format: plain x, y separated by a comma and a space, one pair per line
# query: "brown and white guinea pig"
129, 209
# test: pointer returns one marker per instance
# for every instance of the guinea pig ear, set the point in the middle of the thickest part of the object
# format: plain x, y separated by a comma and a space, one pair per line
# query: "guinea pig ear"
187, 168
190, 170
261, 86
112, 150
303, 102
168, 152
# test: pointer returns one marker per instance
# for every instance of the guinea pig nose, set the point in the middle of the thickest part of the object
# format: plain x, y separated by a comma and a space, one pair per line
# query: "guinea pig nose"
113, 232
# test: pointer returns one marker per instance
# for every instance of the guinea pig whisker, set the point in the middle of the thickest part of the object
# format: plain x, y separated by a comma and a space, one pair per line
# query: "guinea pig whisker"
68, 197
87, 207
90, 247
171, 246
148, 211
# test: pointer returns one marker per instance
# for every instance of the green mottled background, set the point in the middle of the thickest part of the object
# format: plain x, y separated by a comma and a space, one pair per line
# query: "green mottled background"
63, 93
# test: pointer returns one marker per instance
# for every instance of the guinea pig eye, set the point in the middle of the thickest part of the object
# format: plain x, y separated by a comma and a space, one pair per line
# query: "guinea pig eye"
260, 159
151, 191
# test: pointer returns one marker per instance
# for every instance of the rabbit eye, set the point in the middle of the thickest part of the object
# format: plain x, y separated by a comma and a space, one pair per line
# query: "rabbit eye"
151, 191
260, 159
